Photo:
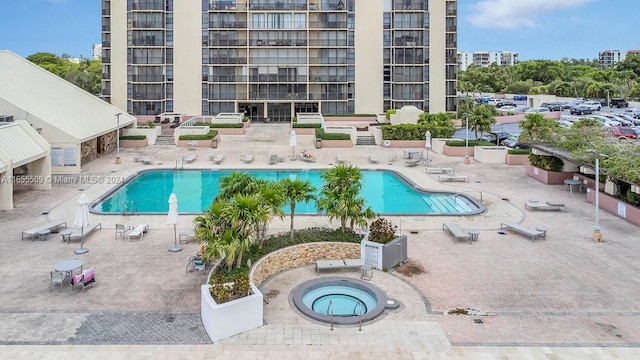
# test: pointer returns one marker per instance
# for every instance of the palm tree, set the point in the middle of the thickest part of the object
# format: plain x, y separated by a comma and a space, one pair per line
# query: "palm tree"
238, 183
339, 196
245, 214
481, 118
297, 191
272, 195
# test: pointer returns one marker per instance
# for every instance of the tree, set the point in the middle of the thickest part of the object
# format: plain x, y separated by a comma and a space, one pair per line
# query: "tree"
536, 128
339, 197
631, 63
481, 118
296, 191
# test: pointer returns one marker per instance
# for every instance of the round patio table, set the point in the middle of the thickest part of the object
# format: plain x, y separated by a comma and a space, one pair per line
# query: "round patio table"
68, 265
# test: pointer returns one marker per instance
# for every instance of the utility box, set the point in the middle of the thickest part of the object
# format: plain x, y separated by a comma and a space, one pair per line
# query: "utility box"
318, 143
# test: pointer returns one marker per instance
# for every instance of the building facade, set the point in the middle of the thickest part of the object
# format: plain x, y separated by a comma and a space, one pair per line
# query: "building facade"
486, 58
608, 58
275, 58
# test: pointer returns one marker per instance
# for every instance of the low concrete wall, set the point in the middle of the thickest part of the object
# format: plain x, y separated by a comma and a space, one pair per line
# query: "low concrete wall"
305, 131
337, 144
547, 177
133, 143
150, 133
300, 255
351, 130
517, 159
490, 154
457, 150
615, 206
437, 145
190, 130
416, 144
200, 143
233, 131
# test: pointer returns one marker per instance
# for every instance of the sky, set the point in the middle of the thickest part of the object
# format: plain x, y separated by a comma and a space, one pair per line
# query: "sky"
536, 29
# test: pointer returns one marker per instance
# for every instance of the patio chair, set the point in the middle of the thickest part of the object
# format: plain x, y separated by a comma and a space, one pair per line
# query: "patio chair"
413, 162
373, 159
340, 159
57, 278
217, 159
246, 158
121, 229
86, 279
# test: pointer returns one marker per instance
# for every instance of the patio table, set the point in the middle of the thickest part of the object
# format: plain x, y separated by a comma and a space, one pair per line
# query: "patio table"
68, 266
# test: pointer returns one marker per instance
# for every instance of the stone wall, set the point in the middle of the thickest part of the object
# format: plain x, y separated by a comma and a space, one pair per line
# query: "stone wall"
299, 255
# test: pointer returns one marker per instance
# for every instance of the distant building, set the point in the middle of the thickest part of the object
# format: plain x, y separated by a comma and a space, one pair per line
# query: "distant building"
97, 51
608, 58
486, 58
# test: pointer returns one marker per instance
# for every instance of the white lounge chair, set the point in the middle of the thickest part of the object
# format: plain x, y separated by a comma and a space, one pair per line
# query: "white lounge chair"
189, 158
536, 205
138, 232
453, 177
538, 232
217, 159
413, 162
340, 159
247, 158
457, 231
77, 234
373, 159
48, 226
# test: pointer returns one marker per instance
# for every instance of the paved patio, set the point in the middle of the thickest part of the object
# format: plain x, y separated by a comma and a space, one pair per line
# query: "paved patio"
566, 297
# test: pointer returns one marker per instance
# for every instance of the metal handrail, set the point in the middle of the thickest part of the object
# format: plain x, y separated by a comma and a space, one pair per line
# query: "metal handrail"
469, 191
330, 309
359, 305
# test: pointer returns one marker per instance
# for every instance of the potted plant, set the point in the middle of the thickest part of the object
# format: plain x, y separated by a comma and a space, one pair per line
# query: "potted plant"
382, 247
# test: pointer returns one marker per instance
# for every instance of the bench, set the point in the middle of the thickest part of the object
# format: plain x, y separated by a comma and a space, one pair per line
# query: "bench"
48, 226
338, 264
439, 170
534, 233
138, 232
457, 231
79, 233
452, 177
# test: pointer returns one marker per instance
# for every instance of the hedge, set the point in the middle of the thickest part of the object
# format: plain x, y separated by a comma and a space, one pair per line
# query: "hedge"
306, 126
320, 134
519, 152
350, 115
220, 126
460, 143
133, 137
209, 136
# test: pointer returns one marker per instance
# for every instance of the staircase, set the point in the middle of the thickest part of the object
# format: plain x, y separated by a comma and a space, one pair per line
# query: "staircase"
165, 140
365, 140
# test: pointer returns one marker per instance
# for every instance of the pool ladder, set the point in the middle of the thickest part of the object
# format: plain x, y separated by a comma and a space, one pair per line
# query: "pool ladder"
358, 306
125, 207
330, 312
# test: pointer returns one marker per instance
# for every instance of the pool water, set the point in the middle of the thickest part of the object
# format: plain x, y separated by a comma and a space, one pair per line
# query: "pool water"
343, 300
384, 191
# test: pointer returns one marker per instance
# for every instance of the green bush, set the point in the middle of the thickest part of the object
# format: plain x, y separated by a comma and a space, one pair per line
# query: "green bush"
547, 163
350, 115
461, 143
519, 151
209, 136
389, 113
220, 126
306, 126
416, 131
133, 137
320, 134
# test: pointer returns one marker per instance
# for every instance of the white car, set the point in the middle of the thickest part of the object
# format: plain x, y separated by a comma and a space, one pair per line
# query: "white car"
537, 110
593, 105
605, 121
507, 109
564, 123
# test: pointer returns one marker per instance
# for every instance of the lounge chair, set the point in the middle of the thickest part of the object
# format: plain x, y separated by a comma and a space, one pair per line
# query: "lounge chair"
338, 264
185, 236
189, 158
273, 159
138, 232
247, 158
453, 177
439, 170
373, 159
536, 205
538, 232
457, 231
77, 234
305, 156
340, 159
48, 226
413, 162
217, 159
147, 160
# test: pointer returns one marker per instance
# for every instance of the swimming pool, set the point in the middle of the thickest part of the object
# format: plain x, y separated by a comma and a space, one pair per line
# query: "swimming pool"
385, 191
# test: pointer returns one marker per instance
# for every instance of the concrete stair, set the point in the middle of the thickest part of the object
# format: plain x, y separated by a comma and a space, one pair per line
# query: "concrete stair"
165, 140
365, 140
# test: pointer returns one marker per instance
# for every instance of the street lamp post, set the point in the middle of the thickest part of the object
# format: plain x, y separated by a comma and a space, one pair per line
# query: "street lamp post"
597, 232
118, 138
466, 142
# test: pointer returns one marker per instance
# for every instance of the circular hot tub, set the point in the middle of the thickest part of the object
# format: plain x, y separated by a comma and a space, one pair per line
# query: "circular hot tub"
343, 301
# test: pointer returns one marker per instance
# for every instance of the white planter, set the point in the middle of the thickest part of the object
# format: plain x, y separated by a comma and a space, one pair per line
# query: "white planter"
384, 256
231, 318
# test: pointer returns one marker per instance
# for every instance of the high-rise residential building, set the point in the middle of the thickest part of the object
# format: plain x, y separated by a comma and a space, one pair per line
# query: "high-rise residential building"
607, 58
486, 58
275, 58
97, 51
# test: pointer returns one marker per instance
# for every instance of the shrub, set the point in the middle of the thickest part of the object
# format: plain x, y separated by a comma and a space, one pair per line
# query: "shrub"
306, 126
519, 151
350, 115
547, 163
320, 134
389, 113
133, 137
209, 136
381, 231
461, 143
219, 126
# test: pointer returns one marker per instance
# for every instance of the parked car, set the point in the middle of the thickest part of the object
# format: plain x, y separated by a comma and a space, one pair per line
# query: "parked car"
503, 103
496, 136
537, 110
564, 123
634, 121
618, 102
483, 99
513, 142
519, 97
593, 105
552, 106
603, 102
507, 109
580, 110
521, 109
624, 133
494, 102
622, 121
605, 121
634, 111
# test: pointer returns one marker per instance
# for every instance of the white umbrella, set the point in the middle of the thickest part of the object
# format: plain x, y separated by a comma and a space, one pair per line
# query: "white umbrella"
293, 142
82, 220
172, 219
427, 143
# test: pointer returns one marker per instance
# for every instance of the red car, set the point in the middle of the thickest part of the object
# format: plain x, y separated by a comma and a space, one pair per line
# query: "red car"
624, 133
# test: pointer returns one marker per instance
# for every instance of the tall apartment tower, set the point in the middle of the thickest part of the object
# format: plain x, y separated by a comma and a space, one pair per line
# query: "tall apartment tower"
275, 58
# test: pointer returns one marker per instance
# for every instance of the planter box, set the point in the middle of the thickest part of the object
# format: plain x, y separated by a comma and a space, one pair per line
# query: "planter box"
384, 256
547, 177
213, 143
457, 150
517, 159
231, 318
337, 144
417, 144
134, 143
304, 131
615, 206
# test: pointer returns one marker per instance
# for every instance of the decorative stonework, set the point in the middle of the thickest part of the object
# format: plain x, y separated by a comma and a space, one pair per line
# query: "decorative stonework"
300, 255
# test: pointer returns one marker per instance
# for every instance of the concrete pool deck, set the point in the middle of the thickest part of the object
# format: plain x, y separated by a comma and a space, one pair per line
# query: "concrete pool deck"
566, 297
